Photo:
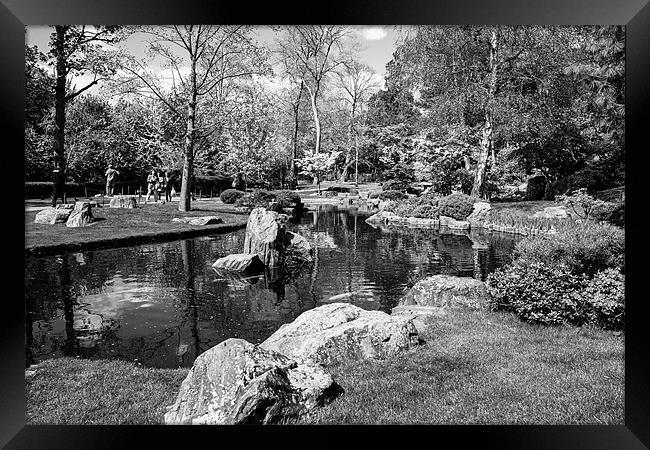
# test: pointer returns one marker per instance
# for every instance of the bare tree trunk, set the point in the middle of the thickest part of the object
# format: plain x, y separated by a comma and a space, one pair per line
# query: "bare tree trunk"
314, 109
486, 147
296, 111
184, 203
59, 118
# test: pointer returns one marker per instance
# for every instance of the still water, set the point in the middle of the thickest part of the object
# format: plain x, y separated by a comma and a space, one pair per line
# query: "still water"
161, 305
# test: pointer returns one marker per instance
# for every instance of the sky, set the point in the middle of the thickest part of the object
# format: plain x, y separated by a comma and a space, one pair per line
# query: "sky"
377, 46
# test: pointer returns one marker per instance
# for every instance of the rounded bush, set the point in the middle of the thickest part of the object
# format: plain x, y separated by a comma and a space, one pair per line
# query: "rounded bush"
583, 247
287, 199
230, 196
604, 299
457, 206
395, 185
537, 293
392, 195
426, 212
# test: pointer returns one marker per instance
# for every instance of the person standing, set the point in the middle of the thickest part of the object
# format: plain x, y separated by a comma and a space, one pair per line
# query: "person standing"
160, 186
110, 180
58, 179
151, 186
168, 187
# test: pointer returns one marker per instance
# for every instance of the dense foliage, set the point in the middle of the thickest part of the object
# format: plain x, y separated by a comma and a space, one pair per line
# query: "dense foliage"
581, 247
457, 206
230, 196
575, 276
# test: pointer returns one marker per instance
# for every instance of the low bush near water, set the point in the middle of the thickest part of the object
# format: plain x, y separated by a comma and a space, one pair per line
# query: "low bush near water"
391, 195
420, 207
536, 293
457, 206
551, 295
287, 199
395, 185
230, 196
582, 247
257, 198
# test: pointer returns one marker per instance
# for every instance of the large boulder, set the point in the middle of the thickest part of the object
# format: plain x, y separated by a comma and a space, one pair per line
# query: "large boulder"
80, 216
123, 201
236, 382
50, 215
265, 236
239, 262
454, 224
340, 332
447, 291
479, 214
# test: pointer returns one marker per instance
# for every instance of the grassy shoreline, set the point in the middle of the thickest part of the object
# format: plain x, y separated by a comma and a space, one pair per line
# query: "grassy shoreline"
117, 227
476, 367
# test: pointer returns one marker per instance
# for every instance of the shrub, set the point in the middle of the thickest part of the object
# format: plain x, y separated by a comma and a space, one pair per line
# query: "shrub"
374, 194
287, 199
457, 206
426, 212
392, 195
604, 299
229, 196
589, 178
395, 185
245, 201
582, 247
582, 204
537, 293
261, 197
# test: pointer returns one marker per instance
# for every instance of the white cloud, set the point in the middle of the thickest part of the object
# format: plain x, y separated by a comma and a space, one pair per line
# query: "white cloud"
373, 33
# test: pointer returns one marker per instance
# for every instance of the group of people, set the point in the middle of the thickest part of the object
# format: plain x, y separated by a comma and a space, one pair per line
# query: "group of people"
157, 183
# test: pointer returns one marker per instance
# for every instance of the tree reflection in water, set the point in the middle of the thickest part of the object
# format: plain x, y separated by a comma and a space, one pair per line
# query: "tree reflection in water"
171, 305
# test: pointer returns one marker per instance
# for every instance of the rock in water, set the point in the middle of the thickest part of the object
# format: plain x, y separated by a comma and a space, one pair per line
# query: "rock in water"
447, 291
340, 332
239, 262
265, 236
479, 214
123, 201
51, 215
297, 249
81, 215
236, 382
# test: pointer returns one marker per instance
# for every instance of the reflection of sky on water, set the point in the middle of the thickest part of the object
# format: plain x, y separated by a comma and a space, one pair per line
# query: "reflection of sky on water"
163, 304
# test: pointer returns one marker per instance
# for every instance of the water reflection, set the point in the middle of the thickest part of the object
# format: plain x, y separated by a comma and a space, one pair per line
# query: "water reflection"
162, 305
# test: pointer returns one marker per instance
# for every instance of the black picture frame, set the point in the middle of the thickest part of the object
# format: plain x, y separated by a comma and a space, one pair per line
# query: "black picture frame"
635, 14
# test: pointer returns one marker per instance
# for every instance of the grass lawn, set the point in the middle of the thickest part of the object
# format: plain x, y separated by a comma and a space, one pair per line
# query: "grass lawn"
121, 226
477, 367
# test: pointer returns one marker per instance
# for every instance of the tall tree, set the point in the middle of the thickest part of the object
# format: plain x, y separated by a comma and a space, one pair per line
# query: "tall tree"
76, 50
201, 60
313, 52
357, 81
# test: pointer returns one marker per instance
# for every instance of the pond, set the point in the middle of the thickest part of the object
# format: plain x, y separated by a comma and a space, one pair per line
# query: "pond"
161, 305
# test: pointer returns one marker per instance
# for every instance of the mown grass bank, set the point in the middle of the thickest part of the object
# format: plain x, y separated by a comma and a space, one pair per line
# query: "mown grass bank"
477, 367
119, 227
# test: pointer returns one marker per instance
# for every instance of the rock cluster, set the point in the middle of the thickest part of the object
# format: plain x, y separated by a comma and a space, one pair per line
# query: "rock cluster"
123, 201
268, 239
